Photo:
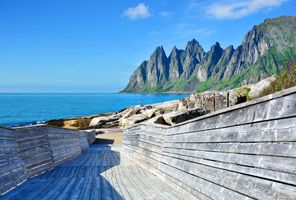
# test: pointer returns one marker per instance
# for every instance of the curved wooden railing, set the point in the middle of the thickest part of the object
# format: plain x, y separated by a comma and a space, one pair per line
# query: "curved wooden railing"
247, 151
29, 151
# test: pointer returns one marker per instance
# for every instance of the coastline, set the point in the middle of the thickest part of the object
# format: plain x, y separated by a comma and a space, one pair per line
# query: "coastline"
29, 109
155, 92
167, 112
170, 112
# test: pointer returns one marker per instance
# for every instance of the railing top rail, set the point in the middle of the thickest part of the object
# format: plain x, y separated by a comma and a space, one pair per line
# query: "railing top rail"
276, 95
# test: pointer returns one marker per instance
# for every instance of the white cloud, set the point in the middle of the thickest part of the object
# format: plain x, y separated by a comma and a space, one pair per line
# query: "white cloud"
140, 11
233, 10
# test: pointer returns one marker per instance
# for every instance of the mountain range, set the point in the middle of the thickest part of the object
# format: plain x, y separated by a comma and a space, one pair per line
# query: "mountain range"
265, 49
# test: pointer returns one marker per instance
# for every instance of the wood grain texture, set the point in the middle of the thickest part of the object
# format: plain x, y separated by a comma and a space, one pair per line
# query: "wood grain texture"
98, 173
29, 151
244, 152
12, 167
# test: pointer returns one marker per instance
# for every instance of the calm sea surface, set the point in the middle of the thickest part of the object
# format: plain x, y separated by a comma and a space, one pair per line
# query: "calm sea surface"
23, 109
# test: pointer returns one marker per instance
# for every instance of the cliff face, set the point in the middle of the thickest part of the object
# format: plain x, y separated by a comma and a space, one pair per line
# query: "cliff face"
263, 52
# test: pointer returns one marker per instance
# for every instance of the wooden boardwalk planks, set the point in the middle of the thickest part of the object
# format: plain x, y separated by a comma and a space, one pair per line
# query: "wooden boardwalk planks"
98, 173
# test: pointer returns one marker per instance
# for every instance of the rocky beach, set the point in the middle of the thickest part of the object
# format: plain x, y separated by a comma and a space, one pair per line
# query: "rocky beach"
110, 125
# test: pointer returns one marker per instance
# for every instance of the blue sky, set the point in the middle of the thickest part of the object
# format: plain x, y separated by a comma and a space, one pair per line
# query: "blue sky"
94, 46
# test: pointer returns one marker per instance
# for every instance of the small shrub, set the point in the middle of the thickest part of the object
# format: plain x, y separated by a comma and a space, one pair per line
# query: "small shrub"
287, 78
82, 122
244, 91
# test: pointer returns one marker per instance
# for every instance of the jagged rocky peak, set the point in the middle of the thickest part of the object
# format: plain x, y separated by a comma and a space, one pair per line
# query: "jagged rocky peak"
194, 55
158, 57
215, 51
174, 51
192, 45
260, 55
158, 69
212, 58
254, 45
159, 51
220, 67
230, 48
216, 47
138, 78
193, 48
175, 63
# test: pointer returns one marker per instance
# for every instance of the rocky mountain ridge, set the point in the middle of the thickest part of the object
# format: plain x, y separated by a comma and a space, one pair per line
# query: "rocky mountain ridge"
263, 52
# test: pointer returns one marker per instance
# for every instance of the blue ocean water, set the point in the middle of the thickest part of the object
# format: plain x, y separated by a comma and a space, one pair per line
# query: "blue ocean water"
23, 109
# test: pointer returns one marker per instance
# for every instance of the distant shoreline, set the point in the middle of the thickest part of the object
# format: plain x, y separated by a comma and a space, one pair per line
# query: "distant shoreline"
25, 124
25, 109
155, 92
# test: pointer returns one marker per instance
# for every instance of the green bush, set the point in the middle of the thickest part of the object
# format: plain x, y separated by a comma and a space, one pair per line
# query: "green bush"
287, 78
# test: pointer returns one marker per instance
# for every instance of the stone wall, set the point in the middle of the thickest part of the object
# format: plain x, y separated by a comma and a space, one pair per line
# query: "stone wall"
29, 151
247, 151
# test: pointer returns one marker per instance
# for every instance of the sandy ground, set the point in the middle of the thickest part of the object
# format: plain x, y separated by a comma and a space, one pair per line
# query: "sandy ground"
109, 136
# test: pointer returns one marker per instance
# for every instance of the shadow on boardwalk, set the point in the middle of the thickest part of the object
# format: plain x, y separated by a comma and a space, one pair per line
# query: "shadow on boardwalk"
80, 178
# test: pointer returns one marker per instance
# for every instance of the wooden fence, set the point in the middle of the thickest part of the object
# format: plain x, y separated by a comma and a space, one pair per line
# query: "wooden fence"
29, 151
247, 151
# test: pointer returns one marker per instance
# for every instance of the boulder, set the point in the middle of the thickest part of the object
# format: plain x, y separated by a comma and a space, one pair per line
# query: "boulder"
130, 121
221, 100
159, 112
166, 107
132, 110
150, 112
96, 121
261, 88
180, 116
210, 100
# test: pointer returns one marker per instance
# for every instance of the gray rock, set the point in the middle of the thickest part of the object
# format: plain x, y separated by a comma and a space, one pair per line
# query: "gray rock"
150, 112
180, 116
211, 100
111, 120
262, 87
130, 121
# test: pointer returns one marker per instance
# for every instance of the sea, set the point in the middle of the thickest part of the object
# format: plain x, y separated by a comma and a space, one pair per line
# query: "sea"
27, 109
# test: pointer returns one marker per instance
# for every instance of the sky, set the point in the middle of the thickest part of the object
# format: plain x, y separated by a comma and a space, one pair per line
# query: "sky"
93, 46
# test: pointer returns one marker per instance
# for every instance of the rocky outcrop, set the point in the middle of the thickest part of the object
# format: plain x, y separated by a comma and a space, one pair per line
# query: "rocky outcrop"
75, 122
262, 53
196, 104
105, 122
212, 100
180, 116
170, 112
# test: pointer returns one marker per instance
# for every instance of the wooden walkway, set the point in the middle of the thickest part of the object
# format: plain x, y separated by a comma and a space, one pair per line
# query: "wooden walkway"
99, 173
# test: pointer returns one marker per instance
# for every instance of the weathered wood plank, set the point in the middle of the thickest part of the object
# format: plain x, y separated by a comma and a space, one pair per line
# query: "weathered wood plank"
113, 176
248, 151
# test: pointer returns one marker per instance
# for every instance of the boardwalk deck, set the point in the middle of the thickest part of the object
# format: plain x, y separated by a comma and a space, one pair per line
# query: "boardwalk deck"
101, 172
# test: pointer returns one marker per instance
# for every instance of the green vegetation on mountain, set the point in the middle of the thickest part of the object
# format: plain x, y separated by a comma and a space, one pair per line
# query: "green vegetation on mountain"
265, 49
